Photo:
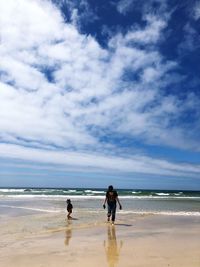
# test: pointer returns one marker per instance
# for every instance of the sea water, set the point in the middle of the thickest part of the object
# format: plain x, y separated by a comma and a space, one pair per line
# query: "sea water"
89, 201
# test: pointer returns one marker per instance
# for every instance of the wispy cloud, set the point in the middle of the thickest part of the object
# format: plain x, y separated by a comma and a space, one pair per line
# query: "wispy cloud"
142, 6
77, 12
60, 90
196, 11
83, 161
190, 42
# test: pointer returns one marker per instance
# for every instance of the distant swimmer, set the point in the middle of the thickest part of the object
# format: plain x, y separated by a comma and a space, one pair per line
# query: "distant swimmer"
111, 199
69, 208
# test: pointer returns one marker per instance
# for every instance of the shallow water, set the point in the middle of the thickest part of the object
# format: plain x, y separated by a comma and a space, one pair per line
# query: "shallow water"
86, 207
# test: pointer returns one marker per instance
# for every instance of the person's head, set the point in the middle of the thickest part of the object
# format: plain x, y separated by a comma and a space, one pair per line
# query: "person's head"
68, 201
110, 188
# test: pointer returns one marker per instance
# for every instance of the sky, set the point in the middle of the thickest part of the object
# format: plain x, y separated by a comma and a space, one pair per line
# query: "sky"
99, 92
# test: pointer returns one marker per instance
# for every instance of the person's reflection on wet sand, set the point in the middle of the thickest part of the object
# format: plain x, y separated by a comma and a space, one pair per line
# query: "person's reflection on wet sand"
68, 233
112, 248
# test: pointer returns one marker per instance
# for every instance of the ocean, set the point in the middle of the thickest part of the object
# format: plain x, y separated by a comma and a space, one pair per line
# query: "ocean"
90, 200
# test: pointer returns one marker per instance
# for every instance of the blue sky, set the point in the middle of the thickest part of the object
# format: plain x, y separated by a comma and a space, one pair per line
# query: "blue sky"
100, 92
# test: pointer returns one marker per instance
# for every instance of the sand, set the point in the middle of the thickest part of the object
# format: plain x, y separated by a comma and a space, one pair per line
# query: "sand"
42, 239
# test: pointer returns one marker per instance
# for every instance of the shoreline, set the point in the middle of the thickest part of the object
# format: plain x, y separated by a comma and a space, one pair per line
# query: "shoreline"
83, 207
41, 239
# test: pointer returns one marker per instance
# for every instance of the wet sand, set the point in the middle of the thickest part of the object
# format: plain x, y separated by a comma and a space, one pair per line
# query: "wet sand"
44, 239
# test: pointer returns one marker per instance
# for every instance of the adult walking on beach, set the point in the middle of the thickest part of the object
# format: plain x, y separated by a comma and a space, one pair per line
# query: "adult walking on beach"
111, 199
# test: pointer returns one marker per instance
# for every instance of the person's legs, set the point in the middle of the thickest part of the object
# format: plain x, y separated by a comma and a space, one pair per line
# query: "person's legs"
113, 212
69, 214
109, 212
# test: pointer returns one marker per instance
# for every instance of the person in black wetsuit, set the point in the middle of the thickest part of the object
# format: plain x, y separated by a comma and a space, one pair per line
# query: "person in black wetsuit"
111, 199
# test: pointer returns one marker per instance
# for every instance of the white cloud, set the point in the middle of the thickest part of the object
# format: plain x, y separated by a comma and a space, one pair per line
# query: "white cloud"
151, 33
78, 11
28, 24
124, 6
190, 42
142, 6
196, 11
58, 86
135, 164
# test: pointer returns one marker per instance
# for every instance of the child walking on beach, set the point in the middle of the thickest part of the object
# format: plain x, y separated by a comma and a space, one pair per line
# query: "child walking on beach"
111, 199
69, 208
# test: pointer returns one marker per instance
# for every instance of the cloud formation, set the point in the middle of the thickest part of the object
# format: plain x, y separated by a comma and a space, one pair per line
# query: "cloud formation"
196, 10
61, 90
83, 161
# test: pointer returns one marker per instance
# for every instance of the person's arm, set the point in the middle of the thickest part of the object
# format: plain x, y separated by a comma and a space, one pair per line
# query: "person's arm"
120, 206
104, 204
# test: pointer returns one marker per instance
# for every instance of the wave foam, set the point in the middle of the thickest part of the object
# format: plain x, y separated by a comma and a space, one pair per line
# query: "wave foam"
168, 213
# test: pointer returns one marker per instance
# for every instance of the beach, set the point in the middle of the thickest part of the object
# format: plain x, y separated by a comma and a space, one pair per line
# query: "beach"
36, 233
100, 110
